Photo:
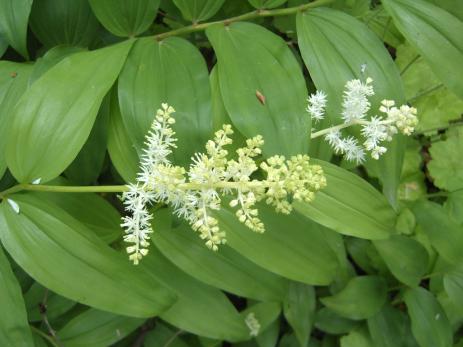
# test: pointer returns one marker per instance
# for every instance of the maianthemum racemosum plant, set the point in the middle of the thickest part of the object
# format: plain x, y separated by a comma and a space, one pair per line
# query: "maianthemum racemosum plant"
195, 192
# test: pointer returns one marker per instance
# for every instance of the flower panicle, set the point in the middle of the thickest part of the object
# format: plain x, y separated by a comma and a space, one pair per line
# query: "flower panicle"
375, 131
195, 193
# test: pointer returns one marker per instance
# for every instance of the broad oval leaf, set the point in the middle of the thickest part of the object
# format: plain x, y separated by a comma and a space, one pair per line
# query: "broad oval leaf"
227, 269
14, 328
405, 257
198, 10
291, 246
262, 86
430, 325
126, 18
299, 310
443, 231
349, 205
95, 328
332, 323
13, 83
453, 285
57, 22
62, 254
334, 46
14, 15
356, 338
362, 298
436, 34
172, 71
53, 119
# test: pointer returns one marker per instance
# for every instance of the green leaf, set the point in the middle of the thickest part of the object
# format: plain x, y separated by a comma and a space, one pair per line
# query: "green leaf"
172, 71
330, 322
87, 166
95, 328
445, 166
435, 109
357, 338
64, 255
389, 328
13, 83
123, 155
444, 232
430, 325
50, 59
262, 86
435, 34
261, 4
362, 298
3, 45
226, 269
265, 313
453, 284
454, 205
14, 15
125, 18
14, 329
269, 337
53, 119
349, 205
200, 309
334, 46
57, 22
291, 246
299, 310
161, 336
405, 257
198, 10
96, 213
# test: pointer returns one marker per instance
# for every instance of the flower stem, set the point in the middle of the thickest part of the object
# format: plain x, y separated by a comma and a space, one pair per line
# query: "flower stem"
337, 127
63, 189
250, 15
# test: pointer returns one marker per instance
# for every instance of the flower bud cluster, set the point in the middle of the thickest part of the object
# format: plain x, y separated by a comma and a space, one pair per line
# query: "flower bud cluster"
195, 192
375, 131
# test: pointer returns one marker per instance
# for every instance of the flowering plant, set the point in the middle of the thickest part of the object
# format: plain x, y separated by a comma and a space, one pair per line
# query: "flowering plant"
284, 173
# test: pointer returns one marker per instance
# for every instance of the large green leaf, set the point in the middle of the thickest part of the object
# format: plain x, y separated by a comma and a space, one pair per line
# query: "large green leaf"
57, 22
87, 166
362, 298
198, 10
405, 257
13, 83
123, 155
453, 285
445, 166
332, 323
53, 119
357, 338
389, 328
435, 33
291, 246
349, 205
14, 15
226, 269
125, 18
299, 310
14, 329
262, 86
334, 47
95, 328
443, 231
172, 71
163, 335
430, 325
64, 255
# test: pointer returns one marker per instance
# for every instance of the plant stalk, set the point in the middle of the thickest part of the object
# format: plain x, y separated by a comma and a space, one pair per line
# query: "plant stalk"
247, 16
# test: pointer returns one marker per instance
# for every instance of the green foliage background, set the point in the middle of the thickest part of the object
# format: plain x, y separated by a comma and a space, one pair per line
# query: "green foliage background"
375, 261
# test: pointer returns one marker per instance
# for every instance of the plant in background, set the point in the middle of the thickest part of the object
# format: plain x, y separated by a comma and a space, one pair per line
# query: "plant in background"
360, 245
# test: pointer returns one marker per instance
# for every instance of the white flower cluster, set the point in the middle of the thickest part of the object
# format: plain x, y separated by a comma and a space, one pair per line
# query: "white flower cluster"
194, 193
253, 324
375, 131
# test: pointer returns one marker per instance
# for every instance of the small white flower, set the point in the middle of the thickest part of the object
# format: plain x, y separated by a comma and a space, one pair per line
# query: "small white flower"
253, 324
355, 103
317, 104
